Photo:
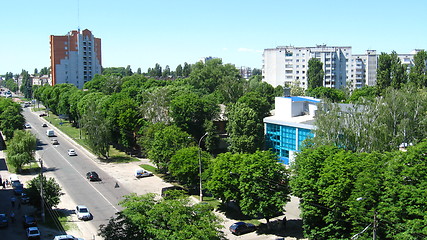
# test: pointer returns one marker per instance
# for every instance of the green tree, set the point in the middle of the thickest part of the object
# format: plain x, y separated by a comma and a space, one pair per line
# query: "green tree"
315, 73
390, 72
380, 125
21, 149
128, 71
335, 95
51, 192
184, 165
263, 185
95, 126
27, 84
11, 117
257, 182
178, 70
190, 111
418, 74
166, 143
147, 134
246, 131
366, 92
171, 218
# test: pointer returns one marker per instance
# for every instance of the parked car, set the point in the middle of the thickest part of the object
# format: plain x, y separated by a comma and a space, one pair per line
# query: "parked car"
72, 152
54, 142
241, 228
24, 198
44, 125
27, 125
83, 212
3, 220
140, 172
43, 115
92, 176
18, 189
29, 221
33, 233
66, 237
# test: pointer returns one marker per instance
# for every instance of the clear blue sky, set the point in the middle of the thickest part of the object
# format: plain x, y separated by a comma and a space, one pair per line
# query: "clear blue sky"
143, 33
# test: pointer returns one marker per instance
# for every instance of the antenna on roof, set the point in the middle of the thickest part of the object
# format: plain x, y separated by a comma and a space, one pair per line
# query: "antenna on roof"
78, 15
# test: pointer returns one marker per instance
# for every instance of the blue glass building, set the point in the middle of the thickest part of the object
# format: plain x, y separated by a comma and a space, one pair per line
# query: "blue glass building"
290, 125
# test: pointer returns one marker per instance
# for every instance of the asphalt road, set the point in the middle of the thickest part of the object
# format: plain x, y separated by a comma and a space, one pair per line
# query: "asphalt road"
100, 197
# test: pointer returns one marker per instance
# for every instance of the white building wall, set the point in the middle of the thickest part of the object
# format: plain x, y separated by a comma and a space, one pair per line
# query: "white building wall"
288, 64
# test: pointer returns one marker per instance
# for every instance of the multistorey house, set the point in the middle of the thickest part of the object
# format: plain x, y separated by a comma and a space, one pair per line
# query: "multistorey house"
75, 57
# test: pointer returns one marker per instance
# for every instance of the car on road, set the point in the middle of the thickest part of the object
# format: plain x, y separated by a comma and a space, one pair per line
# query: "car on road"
71, 152
42, 115
92, 176
3, 220
54, 142
27, 125
44, 125
33, 233
83, 212
239, 228
29, 221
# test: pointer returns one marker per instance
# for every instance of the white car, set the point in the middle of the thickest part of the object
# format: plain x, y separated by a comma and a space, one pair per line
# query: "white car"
72, 152
83, 212
66, 237
27, 125
33, 233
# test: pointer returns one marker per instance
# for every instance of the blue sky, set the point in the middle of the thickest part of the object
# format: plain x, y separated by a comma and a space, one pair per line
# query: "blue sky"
143, 33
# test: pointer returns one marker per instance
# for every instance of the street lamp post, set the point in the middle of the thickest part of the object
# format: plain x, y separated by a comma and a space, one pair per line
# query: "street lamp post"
200, 166
41, 189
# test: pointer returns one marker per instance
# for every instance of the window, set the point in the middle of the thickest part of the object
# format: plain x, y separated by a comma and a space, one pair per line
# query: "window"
288, 54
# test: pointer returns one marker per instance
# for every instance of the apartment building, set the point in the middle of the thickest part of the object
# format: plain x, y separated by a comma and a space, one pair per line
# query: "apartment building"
289, 65
75, 57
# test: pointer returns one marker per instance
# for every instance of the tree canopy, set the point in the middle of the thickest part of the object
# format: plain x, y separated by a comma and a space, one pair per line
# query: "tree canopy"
315, 73
146, 217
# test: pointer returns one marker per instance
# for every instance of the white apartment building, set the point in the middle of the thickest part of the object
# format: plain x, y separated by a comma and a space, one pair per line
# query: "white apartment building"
289, 65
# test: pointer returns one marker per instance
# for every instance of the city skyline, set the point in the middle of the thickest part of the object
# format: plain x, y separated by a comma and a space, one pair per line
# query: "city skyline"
143, 33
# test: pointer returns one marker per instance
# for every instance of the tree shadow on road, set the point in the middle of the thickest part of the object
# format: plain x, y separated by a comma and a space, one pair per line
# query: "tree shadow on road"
292, 228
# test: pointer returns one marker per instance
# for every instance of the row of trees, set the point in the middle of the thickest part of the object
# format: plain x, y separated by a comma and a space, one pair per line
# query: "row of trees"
342, 192
129, 106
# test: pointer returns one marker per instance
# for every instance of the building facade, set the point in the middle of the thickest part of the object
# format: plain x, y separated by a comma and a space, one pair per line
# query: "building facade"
291, 124
288, 65
75, 57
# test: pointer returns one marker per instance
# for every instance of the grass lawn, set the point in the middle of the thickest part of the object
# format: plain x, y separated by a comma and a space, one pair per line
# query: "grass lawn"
77, 135
57, 219
149, 168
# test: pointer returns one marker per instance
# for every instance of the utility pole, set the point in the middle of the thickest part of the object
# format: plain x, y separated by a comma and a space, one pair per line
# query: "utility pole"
41, 189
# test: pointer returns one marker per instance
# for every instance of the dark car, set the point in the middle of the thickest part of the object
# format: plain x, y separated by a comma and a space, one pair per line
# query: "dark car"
92, 176
29, 221
18, 189
24, 198
44, 125
43, 115
3, 220
242, 227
